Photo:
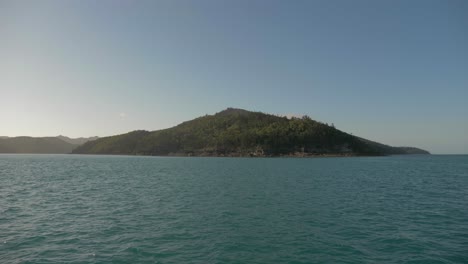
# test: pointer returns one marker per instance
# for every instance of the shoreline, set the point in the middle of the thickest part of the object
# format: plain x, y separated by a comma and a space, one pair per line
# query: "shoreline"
233, 155
175, 155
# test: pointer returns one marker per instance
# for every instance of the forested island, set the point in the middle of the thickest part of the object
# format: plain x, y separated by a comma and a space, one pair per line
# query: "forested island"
241, 133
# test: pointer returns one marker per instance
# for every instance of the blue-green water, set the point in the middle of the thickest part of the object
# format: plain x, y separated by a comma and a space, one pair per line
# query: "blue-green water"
118, 209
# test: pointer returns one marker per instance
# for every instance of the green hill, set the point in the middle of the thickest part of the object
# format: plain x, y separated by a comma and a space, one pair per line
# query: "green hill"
237, 132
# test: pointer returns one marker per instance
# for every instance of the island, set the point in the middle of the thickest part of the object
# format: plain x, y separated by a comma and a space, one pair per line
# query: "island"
240, 133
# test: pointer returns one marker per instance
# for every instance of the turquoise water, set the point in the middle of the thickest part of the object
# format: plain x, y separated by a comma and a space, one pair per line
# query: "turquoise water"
119, 209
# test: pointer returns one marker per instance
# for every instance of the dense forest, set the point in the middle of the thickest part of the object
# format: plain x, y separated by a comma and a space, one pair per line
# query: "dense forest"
237, 132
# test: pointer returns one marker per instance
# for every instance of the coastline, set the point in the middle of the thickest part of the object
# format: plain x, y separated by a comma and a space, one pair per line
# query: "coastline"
237, 155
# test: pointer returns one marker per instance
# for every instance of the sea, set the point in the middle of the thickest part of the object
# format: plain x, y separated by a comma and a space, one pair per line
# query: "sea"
134, 209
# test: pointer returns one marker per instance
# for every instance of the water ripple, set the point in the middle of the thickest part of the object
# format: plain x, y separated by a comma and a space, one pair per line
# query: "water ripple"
102, 209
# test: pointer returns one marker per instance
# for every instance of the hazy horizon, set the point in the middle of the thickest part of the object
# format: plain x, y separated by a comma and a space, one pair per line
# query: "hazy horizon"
394, 72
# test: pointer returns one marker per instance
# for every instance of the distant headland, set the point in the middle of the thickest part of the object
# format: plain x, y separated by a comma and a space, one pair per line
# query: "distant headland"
41, 145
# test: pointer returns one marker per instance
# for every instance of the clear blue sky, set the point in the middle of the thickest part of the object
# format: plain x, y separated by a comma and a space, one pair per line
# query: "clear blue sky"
391, 71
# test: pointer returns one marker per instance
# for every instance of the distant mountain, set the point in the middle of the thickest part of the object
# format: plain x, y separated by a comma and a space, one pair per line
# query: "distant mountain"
76, 141
238, 132
50, 145
35, 145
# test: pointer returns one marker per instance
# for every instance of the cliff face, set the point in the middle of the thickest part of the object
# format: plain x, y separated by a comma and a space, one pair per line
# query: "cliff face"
237, 132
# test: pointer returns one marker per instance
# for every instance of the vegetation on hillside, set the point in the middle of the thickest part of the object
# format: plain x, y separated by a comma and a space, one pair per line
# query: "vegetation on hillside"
237, 132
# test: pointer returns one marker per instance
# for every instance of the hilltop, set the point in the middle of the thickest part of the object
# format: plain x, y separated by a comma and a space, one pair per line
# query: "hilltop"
238, 132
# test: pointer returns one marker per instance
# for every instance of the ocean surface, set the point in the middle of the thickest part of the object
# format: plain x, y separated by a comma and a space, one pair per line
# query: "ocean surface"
125, 209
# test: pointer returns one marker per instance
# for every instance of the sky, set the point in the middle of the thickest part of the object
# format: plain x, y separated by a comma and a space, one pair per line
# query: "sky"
391, 71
